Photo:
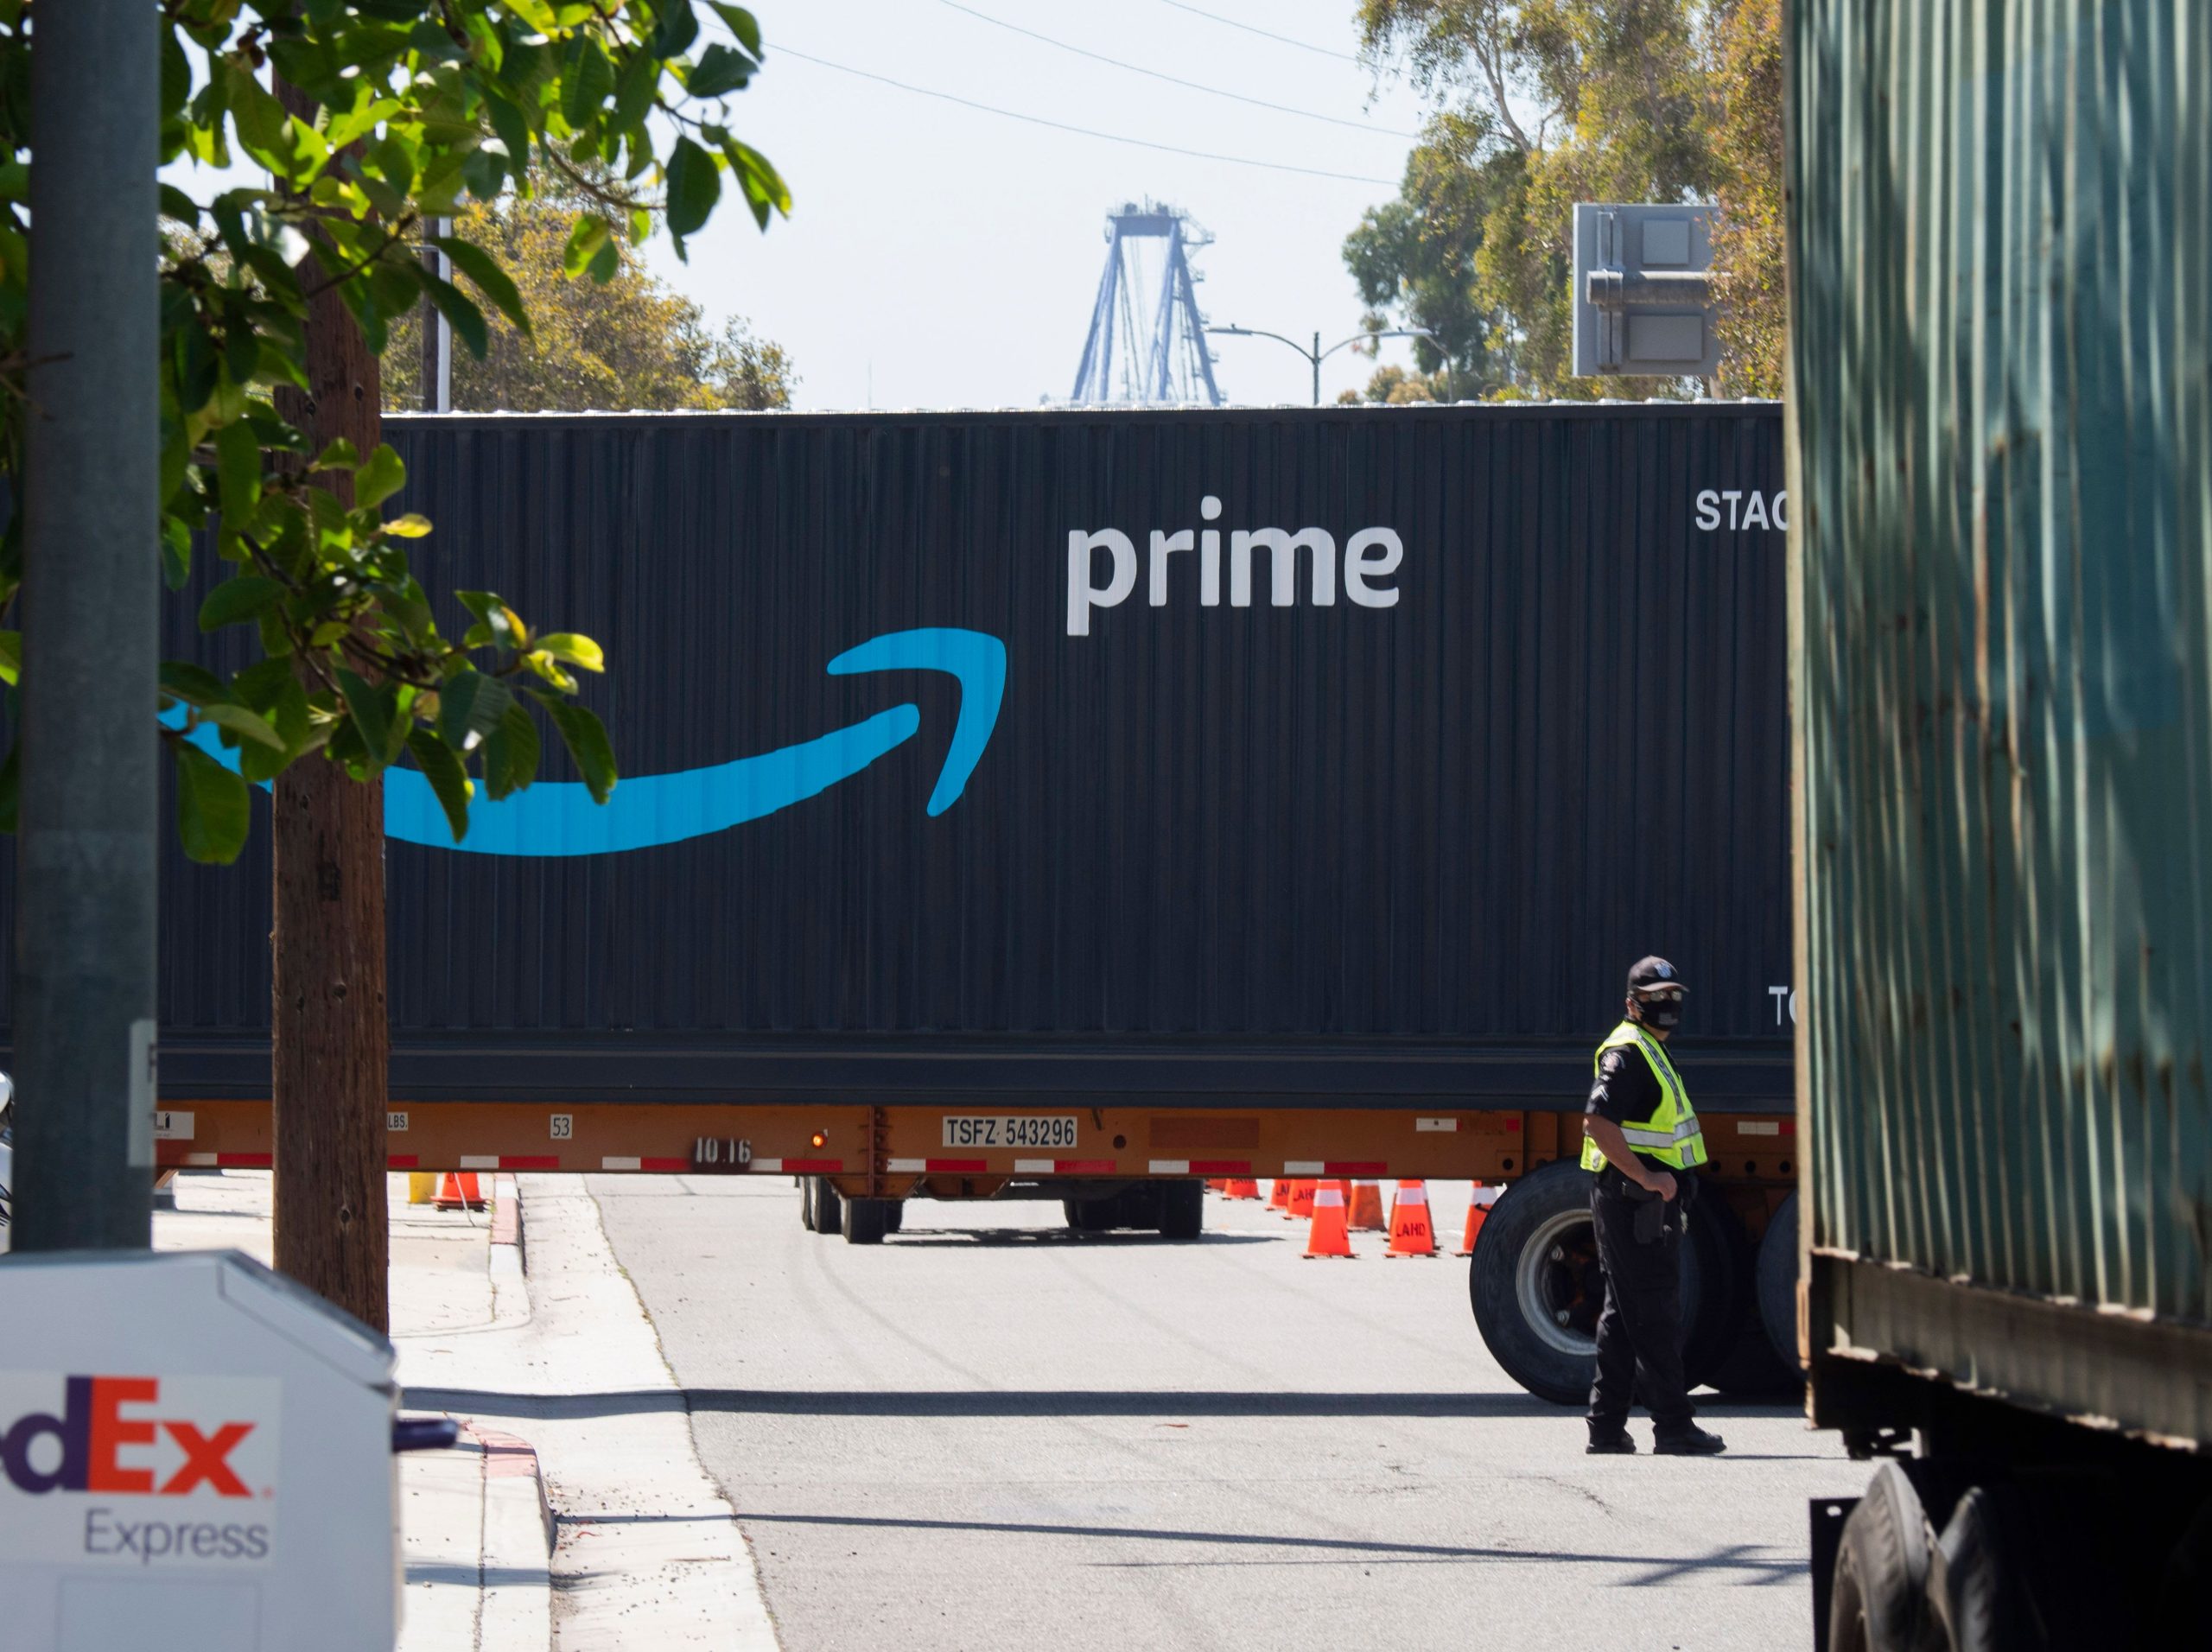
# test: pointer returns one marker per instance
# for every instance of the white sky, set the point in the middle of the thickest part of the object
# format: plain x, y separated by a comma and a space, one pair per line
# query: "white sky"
941, 257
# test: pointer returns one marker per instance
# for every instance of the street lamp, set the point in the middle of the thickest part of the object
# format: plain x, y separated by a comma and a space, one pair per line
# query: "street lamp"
1316, 355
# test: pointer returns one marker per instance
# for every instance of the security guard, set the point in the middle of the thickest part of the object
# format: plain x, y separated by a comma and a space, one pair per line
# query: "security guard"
1640, 1135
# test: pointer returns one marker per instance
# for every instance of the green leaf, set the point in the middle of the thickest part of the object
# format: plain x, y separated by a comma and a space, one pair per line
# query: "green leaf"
511, 753
586, 738
411, 526
720, 69
585, 240
376, 480
193, 684
176, 551
371, 717
575, 649
678, 28
502, 626
741, 24
587, 82
243, 723
448, 780
483, 269
454, 305
470, 708
237, 461
11, 656
243, 596
340, 454
693, 186
213, 807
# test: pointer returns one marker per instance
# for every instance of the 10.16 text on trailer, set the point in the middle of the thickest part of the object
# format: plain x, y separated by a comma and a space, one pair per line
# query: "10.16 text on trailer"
1371, 556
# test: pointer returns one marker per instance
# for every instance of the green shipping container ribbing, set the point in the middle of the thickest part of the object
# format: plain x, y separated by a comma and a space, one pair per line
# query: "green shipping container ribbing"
2001, 536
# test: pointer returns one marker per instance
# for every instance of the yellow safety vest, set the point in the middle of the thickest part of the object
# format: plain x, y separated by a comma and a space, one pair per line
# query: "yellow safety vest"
1671, 1135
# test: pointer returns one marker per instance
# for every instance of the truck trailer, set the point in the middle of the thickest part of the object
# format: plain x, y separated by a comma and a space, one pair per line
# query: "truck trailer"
2002, 672
1078, 804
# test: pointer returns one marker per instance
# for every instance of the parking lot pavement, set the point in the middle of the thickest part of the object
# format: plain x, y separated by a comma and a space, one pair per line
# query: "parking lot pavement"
988, 1432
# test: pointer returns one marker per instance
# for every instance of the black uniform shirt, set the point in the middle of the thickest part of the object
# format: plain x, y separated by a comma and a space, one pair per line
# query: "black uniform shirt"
1625, 1089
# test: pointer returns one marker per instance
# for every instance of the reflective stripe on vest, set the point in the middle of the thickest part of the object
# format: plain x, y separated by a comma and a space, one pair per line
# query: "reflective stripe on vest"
1671, 1135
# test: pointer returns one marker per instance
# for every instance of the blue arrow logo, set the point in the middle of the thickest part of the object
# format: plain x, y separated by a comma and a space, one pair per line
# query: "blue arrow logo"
559, 818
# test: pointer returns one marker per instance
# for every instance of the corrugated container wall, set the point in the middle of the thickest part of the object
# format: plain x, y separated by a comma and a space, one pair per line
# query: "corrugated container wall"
2003, 686
1233, 836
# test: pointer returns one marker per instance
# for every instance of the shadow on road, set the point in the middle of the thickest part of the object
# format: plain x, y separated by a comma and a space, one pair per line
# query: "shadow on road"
1044, 1402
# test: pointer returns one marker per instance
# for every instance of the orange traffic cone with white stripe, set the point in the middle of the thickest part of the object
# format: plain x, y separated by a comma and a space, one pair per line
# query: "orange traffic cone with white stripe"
1410, 1233
1241, 1187
1328, 1237
1279, 1197
457, 1192
1217, 1185
1478, 1203
1363, 1210
1301, 1200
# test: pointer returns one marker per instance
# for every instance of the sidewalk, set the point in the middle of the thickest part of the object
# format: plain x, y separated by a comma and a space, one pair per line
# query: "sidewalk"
576, 1514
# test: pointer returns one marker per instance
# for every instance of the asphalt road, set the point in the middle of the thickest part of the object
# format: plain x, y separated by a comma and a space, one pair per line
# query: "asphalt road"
988, 1434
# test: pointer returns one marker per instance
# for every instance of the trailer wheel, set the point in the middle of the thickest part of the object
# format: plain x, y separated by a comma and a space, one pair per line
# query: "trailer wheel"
1182, 1209
828, 1206
807, 1203
864, 1221
1778, 1283
1738, 1359
1536, 1291
1088, 1215
1878, 1598
894, 1215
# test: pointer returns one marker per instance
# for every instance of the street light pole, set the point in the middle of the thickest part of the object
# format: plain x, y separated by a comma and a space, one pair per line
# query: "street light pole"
87, 748
1316, 355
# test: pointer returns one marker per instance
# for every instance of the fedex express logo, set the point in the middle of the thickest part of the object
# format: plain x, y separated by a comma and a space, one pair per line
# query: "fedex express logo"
141, 1470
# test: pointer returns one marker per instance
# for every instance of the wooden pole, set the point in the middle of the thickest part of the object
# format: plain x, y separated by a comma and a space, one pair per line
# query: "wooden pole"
330, 1036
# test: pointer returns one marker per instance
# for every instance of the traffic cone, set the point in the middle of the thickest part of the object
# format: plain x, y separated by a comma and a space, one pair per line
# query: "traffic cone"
1410, 1235
1241, 1187
1279, 1199
1478, 1203
459, 1191
1301, 1200
1328, 1237
1364, 1210
1217, 1185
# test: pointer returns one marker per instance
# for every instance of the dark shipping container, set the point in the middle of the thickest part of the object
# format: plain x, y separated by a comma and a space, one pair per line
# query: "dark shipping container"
1384, 822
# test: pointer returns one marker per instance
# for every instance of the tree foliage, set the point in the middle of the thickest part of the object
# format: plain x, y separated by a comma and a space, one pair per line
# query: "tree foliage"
1539, 103
425, 106
628, 342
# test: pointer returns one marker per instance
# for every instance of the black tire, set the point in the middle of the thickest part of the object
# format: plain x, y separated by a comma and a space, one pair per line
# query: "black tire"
1878, 1602
1546, 1209
1182, 1211
1776, 1285
1716, 1289
1088, 1215
894, 1215
864, 1221
807, 1203
829, 1207
1745, 1365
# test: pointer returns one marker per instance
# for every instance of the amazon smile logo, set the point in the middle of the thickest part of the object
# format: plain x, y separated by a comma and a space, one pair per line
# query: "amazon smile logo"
559, 818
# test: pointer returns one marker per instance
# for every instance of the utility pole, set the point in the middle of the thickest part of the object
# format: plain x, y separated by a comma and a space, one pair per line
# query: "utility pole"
90, 777
438, 333
329, 1037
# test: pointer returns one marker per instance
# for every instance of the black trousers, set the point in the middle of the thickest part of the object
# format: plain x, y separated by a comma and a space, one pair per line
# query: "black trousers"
1640, 1327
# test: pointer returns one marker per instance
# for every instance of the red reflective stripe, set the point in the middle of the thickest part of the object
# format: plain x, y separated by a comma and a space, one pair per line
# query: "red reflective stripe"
401, 1161
1084, 1167
812, 1167
521, 1161
245, 1160
956, 1166
1221, 1167
1352, 1167
664, 1164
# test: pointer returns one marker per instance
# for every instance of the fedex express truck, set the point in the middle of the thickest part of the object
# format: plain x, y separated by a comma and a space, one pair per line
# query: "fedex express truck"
1079, 805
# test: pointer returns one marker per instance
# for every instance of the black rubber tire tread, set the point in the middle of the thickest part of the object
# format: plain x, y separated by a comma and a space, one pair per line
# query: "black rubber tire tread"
1878, 1603
894, 1215
1716, 1295
1524, 1206
1775, 1284
864, 1221
1182, 1211
829, 1207
1746, 1365
807, 1203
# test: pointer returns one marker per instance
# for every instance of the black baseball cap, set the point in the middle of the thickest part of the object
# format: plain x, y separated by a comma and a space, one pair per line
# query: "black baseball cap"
1651, 974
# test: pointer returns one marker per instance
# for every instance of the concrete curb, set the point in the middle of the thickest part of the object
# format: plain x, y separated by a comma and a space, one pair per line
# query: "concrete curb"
517, 1611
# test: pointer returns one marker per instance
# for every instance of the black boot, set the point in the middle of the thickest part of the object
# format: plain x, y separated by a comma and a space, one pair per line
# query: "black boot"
1609, 1439
1688, 1440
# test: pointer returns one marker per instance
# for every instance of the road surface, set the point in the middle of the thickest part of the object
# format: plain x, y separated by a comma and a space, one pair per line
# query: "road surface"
989, 1434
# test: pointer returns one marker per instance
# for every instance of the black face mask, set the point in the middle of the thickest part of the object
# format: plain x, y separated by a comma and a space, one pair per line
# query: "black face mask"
1665, 1013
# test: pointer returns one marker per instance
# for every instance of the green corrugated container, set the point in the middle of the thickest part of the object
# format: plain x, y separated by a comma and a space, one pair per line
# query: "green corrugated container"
2001, 539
